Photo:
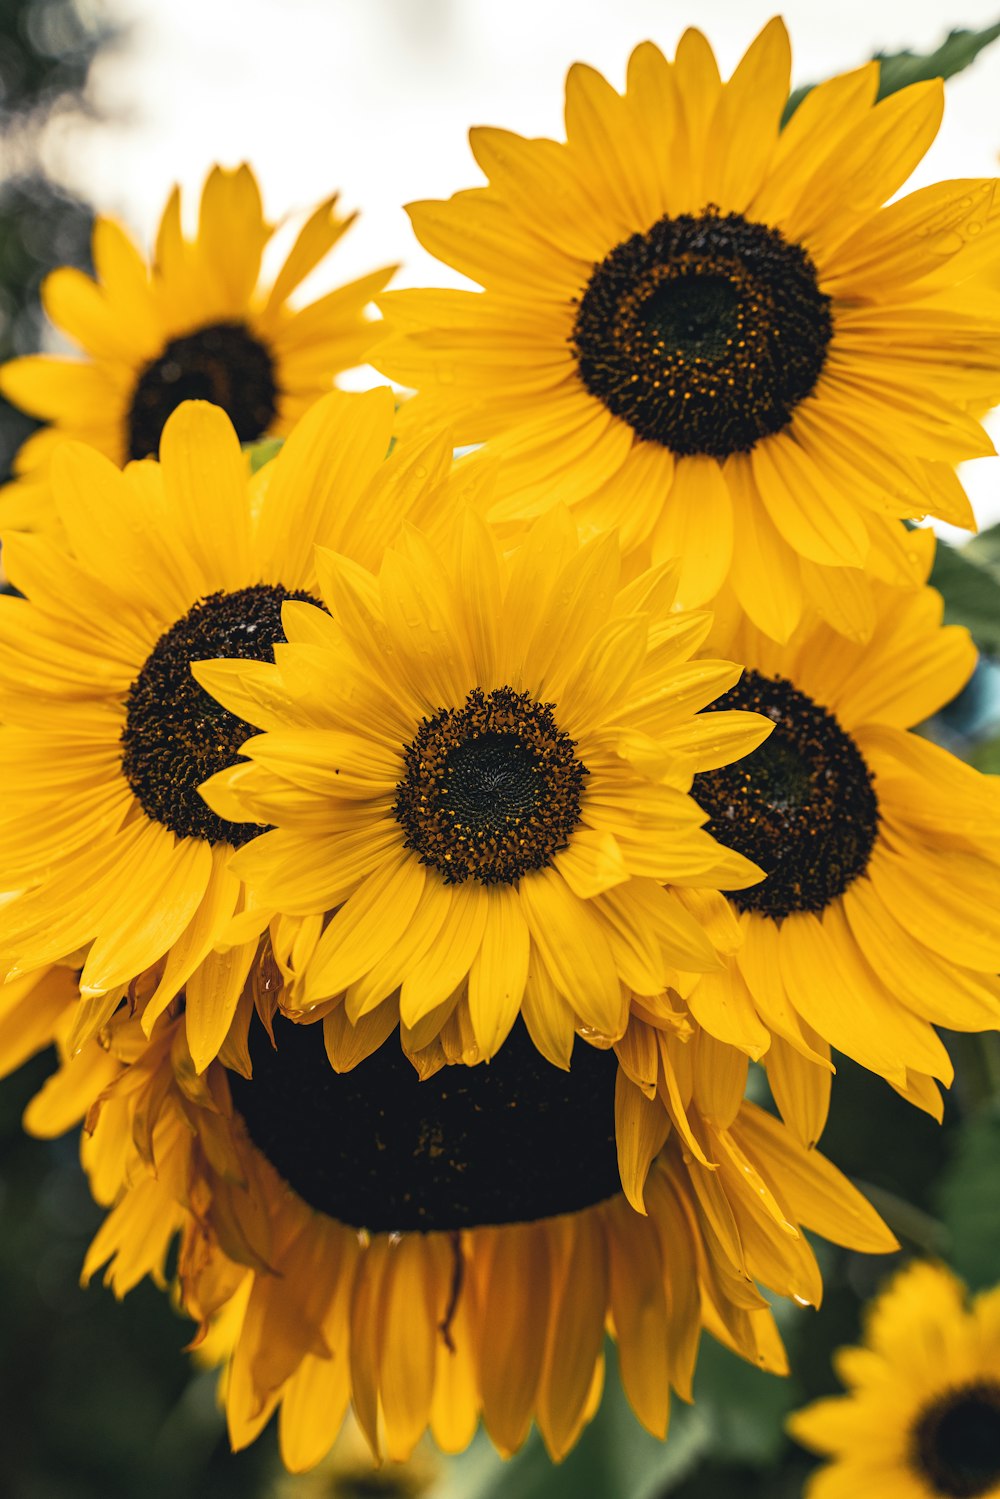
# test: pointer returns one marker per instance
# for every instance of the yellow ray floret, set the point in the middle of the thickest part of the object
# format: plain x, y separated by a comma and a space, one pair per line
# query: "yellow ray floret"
711, 331
199, 321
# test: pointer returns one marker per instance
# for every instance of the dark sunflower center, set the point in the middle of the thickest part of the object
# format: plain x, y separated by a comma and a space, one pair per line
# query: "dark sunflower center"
699, 314
802, 806
705, 333
491, 789
223, 363
956, 1442
175, 734
509, 1142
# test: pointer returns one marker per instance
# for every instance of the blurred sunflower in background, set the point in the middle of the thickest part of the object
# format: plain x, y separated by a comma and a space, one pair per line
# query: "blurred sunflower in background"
195, 323
480, 764
878, 918
921, 1419
432, 1250
118, 863
701, 325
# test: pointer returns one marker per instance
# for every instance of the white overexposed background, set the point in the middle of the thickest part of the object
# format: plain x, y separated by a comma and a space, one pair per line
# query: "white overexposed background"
375, 97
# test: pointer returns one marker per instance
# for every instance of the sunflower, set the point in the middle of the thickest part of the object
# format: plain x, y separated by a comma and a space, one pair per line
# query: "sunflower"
709, 331
922, 1416
118, 862
456, 1247
479, 765
196, 323
878, 918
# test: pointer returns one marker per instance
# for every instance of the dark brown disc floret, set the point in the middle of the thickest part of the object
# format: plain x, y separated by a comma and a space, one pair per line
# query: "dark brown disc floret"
955, 1446
491, 790
802, 806
223, 363
175, 734
704, 333
377, 1148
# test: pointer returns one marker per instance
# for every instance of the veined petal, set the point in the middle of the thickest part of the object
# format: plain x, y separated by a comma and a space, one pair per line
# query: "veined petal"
499, 970
592, 863
365, 927
574, 949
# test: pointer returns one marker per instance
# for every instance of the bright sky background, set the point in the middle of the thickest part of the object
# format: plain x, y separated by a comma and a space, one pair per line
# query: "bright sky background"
376, 97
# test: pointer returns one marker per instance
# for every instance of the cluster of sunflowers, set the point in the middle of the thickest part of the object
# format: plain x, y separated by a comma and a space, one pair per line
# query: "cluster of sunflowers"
409, 855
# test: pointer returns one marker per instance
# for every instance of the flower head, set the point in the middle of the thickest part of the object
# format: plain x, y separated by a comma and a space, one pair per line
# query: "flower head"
921, 1415
199, 323
877, 920
709, 330
479, 765
117, 861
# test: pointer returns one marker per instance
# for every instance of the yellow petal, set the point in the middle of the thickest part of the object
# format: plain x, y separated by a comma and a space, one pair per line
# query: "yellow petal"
641, 1127
213, 991
499, 970
696, 526
572, 944
513, 1321
364, 928
801, 1089
576, 1332
406, 1368
818, 1194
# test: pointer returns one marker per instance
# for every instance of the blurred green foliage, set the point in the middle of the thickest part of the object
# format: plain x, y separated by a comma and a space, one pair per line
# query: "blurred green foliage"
969, 578
970, 1200
42, 225
46, 51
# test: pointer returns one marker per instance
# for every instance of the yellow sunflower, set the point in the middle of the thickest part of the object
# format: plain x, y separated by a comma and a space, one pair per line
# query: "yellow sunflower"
921, 1419
878, 919
479, 764
105, 734
197, 323
710, 331
435, 1250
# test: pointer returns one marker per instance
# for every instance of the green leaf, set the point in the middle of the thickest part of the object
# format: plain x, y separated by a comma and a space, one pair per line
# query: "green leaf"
985, 548
899, 69
957, 51
262, 452
969, 578
969, 1201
